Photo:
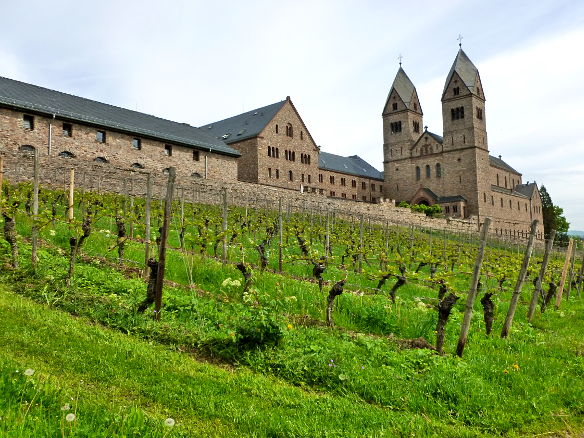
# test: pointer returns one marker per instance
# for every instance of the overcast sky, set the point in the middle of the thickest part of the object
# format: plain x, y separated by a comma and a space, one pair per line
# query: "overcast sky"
199, 61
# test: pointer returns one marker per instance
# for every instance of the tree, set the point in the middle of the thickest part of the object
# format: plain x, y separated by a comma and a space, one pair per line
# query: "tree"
553, 216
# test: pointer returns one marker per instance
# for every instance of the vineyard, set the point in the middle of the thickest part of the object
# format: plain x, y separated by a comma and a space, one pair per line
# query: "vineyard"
451, 326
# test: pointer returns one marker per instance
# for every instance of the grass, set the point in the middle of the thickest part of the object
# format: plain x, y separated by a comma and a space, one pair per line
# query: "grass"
528, 383
118, 385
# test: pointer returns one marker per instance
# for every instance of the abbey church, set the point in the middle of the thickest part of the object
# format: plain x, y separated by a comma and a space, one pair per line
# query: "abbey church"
453, 170
272, 146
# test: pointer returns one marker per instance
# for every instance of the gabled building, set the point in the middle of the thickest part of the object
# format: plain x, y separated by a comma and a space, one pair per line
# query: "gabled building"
74, 128
278, 150
454, 169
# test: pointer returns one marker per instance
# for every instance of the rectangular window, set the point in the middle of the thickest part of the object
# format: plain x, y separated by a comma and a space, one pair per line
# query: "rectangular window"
309, 179
457, 113
137, 144
302, 177
100, 136
456, 91
363, 185
354, 196
353, 183
27, 122
447, 209
332, 193
332, 179
343, 195
394, 106
277, 173
269, 172
168, 150
416, 126
479, 113
372, 187
454, 209
381, 188
321, 191
364, 198
196, 156
320, 178
395, 127
67, 130
343, 182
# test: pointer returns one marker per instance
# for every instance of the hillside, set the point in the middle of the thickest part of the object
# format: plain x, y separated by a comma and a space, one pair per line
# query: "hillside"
339, 341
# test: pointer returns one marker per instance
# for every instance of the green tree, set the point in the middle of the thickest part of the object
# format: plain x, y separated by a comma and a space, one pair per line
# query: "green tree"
553, 216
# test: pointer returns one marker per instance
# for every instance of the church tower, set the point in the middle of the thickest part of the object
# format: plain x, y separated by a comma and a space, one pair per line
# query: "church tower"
463, 106
402, 124
465, 145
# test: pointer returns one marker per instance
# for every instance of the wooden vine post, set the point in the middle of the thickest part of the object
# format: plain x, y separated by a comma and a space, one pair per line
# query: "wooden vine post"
520, 280
1, 176
35, 208
147, 224
327, 236
564, 273
571, 276
537, 292
163, 239
360, 268
281, 235
224, 226
472, 293
71, 194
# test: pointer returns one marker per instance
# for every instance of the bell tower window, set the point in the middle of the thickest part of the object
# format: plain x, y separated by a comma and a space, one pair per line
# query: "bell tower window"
457, 113
395, 127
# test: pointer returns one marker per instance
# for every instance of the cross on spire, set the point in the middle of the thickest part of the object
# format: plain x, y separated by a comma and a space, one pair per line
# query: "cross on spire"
400, 57
459, 40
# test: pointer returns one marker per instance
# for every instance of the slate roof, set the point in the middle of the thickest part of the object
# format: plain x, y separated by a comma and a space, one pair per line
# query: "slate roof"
243, 126
404, 88
465, 69
443, 199
497, 162
27, 97
526, 189
353, 165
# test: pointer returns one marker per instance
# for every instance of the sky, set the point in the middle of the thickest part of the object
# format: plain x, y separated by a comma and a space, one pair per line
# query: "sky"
200, 61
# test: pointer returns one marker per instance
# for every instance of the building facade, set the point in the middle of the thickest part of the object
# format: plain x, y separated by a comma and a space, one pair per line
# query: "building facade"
277, 150
453, 170
74, 128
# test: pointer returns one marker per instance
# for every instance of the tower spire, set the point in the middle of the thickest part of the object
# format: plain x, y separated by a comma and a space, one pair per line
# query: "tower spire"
459, 41
400, 57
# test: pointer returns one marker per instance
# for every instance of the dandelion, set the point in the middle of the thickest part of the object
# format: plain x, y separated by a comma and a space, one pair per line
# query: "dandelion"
28, 372
290, 326
516, 367
70, 417
505, 371
169, 422
65, 407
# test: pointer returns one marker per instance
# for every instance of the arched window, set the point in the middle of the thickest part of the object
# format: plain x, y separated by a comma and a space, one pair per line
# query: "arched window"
27, 149
276, 129
66, 154
289, 132
101, 160
137, 166
418, 173
438, 170
428, 171
290, 175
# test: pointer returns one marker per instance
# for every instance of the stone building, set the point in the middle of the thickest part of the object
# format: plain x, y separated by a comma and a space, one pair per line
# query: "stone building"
277, 150
74, 128
453, 170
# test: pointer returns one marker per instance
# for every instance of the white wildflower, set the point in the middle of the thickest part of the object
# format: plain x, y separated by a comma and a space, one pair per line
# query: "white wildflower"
65, 407
52, 232
28, 372
169, 422
70, 417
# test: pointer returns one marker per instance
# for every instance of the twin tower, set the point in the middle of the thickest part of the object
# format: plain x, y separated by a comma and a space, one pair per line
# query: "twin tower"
423, 167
